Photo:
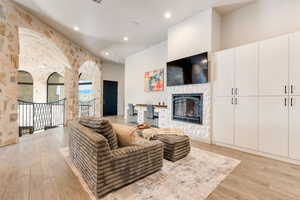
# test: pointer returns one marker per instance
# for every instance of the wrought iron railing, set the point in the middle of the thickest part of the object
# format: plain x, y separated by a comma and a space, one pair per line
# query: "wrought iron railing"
40, 116
87, 108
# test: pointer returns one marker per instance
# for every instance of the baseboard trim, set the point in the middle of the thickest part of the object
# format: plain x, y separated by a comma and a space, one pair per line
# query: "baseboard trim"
267, 155
199, 139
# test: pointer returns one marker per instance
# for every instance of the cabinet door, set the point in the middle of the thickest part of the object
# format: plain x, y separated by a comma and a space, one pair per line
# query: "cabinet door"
273, 125
273, 66
223, 120
295, 63
246, 122
295, 127
224, 72
246, 70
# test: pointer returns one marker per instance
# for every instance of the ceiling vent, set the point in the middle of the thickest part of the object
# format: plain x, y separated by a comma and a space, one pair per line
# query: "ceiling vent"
97, 1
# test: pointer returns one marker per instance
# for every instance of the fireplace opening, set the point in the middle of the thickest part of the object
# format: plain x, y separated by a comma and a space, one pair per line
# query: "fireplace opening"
188, 108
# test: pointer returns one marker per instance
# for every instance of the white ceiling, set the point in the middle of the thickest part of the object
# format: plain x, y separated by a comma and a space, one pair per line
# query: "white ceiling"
103, 26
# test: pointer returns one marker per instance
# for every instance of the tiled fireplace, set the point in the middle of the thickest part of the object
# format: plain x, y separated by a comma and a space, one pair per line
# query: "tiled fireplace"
187, 108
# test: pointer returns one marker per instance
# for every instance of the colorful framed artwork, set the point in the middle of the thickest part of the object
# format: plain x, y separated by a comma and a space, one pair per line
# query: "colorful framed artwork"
154, 80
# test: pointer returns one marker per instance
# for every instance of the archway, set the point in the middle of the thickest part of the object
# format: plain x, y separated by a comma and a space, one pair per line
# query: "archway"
25, 86
47, 65
90, 89
40, 57
55, 87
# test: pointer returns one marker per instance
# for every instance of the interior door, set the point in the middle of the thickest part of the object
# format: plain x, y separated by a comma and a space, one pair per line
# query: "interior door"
273, 66
224, 72
110, 98
246, 122
295, 63
246, 70
273, 125
294, 127
223, 120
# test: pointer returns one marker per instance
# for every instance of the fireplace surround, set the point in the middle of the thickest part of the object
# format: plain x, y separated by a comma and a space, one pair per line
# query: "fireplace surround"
187, 108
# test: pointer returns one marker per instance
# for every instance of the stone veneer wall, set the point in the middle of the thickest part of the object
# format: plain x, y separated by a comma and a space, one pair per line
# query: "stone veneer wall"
196, 131
13, 17
201, 132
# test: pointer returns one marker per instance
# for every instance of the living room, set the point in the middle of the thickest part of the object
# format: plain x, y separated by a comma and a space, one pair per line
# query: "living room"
149, 100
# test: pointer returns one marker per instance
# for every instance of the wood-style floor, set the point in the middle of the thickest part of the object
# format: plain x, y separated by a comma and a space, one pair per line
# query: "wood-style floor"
35, 170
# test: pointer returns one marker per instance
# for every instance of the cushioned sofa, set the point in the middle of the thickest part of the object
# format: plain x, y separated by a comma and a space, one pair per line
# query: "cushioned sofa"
104, 168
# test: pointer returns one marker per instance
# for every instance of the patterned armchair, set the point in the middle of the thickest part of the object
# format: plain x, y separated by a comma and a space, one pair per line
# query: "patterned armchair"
104, 169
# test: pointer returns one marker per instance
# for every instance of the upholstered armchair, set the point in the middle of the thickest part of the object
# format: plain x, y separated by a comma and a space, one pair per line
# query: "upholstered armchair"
105, 170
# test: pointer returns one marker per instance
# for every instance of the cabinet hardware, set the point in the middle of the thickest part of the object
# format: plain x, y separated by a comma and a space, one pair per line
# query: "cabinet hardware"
292, 89
285, 101
232, 101
232, 91
236, 101
292, 102
285, 89
236, 91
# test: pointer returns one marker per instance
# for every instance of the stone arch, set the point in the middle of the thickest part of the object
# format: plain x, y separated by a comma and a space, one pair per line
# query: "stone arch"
90, 71
41, 57
14, 17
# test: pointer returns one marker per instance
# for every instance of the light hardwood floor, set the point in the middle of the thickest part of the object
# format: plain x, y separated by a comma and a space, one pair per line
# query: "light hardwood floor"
35, 170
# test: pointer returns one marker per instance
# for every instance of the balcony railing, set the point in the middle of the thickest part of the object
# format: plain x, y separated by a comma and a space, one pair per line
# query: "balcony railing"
87, 108
35, 117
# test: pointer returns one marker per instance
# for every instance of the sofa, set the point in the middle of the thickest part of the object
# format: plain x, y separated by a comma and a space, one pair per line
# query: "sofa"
106, 169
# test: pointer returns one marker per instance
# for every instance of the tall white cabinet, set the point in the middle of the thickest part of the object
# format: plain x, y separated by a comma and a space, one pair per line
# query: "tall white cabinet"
238, 106
261, 111
273, 66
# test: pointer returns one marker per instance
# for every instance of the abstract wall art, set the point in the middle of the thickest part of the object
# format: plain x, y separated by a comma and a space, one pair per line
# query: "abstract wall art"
154, 80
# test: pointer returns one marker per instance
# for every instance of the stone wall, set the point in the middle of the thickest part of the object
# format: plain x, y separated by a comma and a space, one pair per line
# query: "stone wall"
12, 18
195, 131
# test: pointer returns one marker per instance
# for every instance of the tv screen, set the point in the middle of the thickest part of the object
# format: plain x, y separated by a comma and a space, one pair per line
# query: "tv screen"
190, 70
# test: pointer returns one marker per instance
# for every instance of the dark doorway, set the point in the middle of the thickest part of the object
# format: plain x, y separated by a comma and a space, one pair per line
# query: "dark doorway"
110, 98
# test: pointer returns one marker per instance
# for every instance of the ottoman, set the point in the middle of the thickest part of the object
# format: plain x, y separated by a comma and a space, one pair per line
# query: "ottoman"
176, 147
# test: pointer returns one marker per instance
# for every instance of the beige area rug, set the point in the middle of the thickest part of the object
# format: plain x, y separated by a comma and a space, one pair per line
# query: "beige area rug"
192, 178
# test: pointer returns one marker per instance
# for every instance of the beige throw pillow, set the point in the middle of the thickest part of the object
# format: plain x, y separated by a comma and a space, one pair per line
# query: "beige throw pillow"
126, 134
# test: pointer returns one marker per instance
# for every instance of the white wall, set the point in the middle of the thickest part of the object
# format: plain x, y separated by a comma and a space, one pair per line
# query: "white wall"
259, 21
190, 37
116, 72
135, 67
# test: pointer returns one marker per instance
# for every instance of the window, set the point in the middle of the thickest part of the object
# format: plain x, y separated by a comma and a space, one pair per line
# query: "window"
85, 89
55, 87
25, 86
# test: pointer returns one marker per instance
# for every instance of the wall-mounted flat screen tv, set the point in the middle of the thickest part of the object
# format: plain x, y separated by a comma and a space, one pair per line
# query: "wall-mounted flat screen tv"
190, 70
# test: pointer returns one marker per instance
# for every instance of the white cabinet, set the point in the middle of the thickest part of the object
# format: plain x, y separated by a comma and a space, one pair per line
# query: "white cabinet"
274, 125
294, 126
264, 115
246, 70
224, 72
246, 122
273, 66
223, 120
294, 63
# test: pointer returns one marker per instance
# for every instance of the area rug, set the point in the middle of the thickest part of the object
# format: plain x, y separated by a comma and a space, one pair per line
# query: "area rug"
192, 178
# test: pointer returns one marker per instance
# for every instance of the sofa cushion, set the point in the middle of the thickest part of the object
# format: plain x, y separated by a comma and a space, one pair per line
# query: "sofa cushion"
103, 127
126, 134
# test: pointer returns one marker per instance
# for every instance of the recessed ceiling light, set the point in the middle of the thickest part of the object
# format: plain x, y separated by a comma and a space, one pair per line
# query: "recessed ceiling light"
168, 15
76, 28
125, 38
106, 53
